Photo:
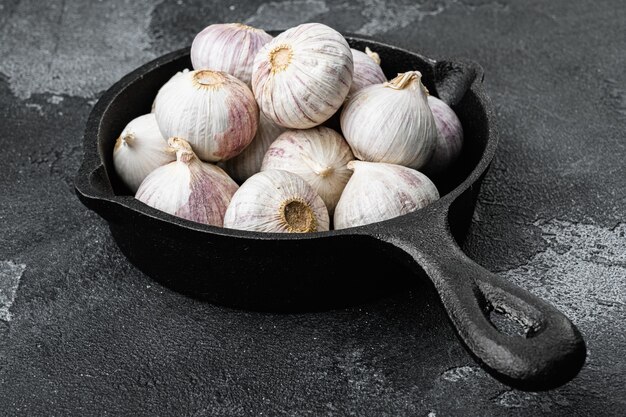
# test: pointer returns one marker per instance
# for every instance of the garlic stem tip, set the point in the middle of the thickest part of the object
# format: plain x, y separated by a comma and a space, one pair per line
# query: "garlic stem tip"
280, 57
375, 57
324, 172
184, 152
208, 79
298, 216
244, 26
127, 139
404, 79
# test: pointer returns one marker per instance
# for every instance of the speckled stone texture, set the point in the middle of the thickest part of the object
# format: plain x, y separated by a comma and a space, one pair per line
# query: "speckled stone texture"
84, 333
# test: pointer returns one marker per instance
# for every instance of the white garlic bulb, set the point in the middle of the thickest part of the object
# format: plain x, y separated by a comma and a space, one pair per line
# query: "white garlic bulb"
449, 140
319, 155
367, 70
379, 191
303, 75
276, 201
212, 110
391, 122
188, 188
248, 162
139, 150
228, 47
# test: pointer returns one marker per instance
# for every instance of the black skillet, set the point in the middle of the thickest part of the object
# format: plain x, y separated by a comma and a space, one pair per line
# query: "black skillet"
295, 272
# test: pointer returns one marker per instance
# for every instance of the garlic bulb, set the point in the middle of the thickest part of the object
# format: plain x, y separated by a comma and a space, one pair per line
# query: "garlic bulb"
139, 150
248, 162
228, 47
391, 122
276, 201
379, 191
188, 188
303, 75
367, 70
319, 155
212, 110
449, 139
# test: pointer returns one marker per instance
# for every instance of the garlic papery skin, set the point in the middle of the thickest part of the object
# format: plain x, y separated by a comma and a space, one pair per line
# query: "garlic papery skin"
228, 47
186, 70
303, 75
248, 162
379, 191
277, 201
367, 70
391, 122
139, 150
319, 155
188, 188
450, 139
212, 110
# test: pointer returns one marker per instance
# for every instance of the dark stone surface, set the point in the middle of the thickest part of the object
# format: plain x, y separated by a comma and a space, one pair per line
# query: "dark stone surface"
84, 333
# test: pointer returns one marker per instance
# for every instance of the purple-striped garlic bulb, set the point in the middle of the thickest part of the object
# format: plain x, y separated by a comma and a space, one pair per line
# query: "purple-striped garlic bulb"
450, 138
228, 47
139, 150
367, 70
248, 162
188, 188
391, 122
277, 201
319, 155
378, 191
303, 75
212, 110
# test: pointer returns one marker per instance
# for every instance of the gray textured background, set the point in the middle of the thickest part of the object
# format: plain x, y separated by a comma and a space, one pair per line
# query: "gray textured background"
84, 333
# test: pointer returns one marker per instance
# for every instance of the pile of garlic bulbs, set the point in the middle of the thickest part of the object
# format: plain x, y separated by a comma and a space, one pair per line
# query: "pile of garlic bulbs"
244, 140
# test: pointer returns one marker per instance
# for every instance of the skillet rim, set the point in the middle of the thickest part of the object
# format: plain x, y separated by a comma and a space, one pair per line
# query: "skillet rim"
93, 160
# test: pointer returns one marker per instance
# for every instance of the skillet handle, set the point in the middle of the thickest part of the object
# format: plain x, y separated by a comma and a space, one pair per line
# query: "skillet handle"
550, 353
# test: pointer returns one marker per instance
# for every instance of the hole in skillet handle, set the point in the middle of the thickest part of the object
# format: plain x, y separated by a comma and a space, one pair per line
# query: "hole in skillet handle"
509, 324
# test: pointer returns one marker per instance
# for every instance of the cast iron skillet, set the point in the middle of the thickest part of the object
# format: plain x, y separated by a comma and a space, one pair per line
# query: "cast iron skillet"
295, 272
